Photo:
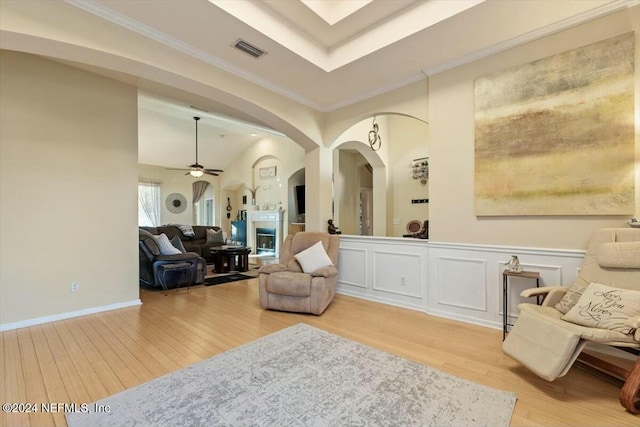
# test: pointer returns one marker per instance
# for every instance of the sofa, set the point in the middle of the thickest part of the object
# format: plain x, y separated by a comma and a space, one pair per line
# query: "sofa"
197, 243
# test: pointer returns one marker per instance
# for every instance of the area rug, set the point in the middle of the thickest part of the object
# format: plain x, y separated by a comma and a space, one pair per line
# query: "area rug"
226, 279
303, 376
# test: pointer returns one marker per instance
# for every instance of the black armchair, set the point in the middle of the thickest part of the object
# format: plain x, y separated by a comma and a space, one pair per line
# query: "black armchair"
152, 275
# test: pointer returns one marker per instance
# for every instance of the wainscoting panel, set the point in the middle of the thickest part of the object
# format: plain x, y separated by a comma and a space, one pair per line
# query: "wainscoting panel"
388, 270
462, 283
352, 264
403, 279
457, 281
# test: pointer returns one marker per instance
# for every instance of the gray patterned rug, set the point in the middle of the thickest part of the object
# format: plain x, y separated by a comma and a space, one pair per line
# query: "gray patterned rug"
303, 376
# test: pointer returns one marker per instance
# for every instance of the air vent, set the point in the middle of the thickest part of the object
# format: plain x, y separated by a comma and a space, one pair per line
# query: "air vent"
248, 48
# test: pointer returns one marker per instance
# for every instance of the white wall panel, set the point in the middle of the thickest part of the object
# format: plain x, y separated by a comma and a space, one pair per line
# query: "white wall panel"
462, 283
388, 270
457, 281
397, 273
352, 264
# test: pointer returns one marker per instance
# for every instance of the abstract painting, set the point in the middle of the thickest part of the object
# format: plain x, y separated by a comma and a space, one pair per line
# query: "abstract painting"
556, 136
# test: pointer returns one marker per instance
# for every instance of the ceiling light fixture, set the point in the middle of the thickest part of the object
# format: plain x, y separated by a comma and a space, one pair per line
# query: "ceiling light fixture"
196, 170
375, 141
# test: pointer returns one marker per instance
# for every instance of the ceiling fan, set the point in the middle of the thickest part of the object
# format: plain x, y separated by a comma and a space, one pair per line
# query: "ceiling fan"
197, 170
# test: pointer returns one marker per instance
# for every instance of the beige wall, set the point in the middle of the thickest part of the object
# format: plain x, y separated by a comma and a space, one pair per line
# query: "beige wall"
68, 189
451, 126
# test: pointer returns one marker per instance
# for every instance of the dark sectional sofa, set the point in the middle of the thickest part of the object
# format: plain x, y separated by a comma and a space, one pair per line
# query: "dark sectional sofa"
198, 252
197, 243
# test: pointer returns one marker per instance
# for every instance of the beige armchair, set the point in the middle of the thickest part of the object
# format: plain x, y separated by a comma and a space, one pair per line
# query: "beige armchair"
548, 338
286, 287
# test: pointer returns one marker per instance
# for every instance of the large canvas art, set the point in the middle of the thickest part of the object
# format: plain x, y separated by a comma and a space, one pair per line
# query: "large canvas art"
556, 136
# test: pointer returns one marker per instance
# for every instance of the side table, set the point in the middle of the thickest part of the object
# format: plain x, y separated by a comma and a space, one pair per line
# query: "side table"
184, 268
505, 294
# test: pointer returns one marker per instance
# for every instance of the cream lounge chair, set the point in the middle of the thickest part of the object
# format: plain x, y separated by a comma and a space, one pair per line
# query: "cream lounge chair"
548, 338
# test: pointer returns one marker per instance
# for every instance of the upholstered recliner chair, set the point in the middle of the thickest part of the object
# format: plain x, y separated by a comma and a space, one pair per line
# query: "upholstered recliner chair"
305, 279
602, 306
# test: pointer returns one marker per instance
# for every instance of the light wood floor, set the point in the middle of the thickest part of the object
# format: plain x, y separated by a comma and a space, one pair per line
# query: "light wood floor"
87, 358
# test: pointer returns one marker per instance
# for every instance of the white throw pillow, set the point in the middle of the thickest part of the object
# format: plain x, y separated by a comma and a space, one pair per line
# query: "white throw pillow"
166, 248
605, 307
313, 258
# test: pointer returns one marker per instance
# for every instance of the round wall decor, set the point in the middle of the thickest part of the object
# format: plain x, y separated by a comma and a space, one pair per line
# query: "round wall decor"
176, 203
414, 226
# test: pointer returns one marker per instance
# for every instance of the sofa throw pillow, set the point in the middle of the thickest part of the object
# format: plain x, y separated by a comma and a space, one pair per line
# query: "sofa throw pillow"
187, 230
166, 248
313, 258
605, 307
214, 237
570, 298
177, 243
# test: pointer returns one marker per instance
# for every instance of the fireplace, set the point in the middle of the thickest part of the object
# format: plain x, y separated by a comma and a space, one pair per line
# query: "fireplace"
265, 241
264, 232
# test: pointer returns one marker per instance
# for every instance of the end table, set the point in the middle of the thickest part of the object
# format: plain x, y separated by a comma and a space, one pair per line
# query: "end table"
505, 294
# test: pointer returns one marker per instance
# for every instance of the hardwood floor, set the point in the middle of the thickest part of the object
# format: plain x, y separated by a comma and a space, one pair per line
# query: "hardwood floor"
87, 358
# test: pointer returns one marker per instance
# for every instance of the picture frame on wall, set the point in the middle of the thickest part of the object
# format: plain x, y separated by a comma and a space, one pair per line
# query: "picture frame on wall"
267, 172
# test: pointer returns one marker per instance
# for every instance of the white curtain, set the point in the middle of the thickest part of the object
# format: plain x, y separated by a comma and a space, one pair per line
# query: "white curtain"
149, 204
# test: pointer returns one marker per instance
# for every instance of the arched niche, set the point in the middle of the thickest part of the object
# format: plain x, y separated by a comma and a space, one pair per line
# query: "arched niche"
390, 189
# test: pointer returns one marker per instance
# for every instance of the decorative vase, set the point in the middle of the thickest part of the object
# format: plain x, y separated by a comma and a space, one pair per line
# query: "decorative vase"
514, 265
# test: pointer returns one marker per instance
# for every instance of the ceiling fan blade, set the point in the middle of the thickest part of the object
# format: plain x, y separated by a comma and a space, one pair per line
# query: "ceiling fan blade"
213, 170
211, 173
176, 169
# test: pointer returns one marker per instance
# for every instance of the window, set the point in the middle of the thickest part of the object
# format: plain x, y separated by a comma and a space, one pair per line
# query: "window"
205, 211
148, 204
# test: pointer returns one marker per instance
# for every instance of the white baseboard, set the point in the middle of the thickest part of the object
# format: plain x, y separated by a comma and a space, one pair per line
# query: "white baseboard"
381, 300
430, 312
69, 315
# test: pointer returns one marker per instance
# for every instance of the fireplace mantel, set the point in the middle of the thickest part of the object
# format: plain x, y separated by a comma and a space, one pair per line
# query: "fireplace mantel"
270, 219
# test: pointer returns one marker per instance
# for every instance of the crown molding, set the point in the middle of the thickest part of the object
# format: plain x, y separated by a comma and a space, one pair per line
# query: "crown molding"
533, 35
146, 31
136, 26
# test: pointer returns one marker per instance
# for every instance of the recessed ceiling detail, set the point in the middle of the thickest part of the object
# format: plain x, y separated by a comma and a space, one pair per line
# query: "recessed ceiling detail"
363, 27
378, 47
335, 11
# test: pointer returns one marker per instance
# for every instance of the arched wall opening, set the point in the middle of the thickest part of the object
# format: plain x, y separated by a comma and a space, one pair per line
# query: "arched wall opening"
397, 198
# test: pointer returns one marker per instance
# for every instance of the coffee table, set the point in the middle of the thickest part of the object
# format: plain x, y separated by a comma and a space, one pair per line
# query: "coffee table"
231, 258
